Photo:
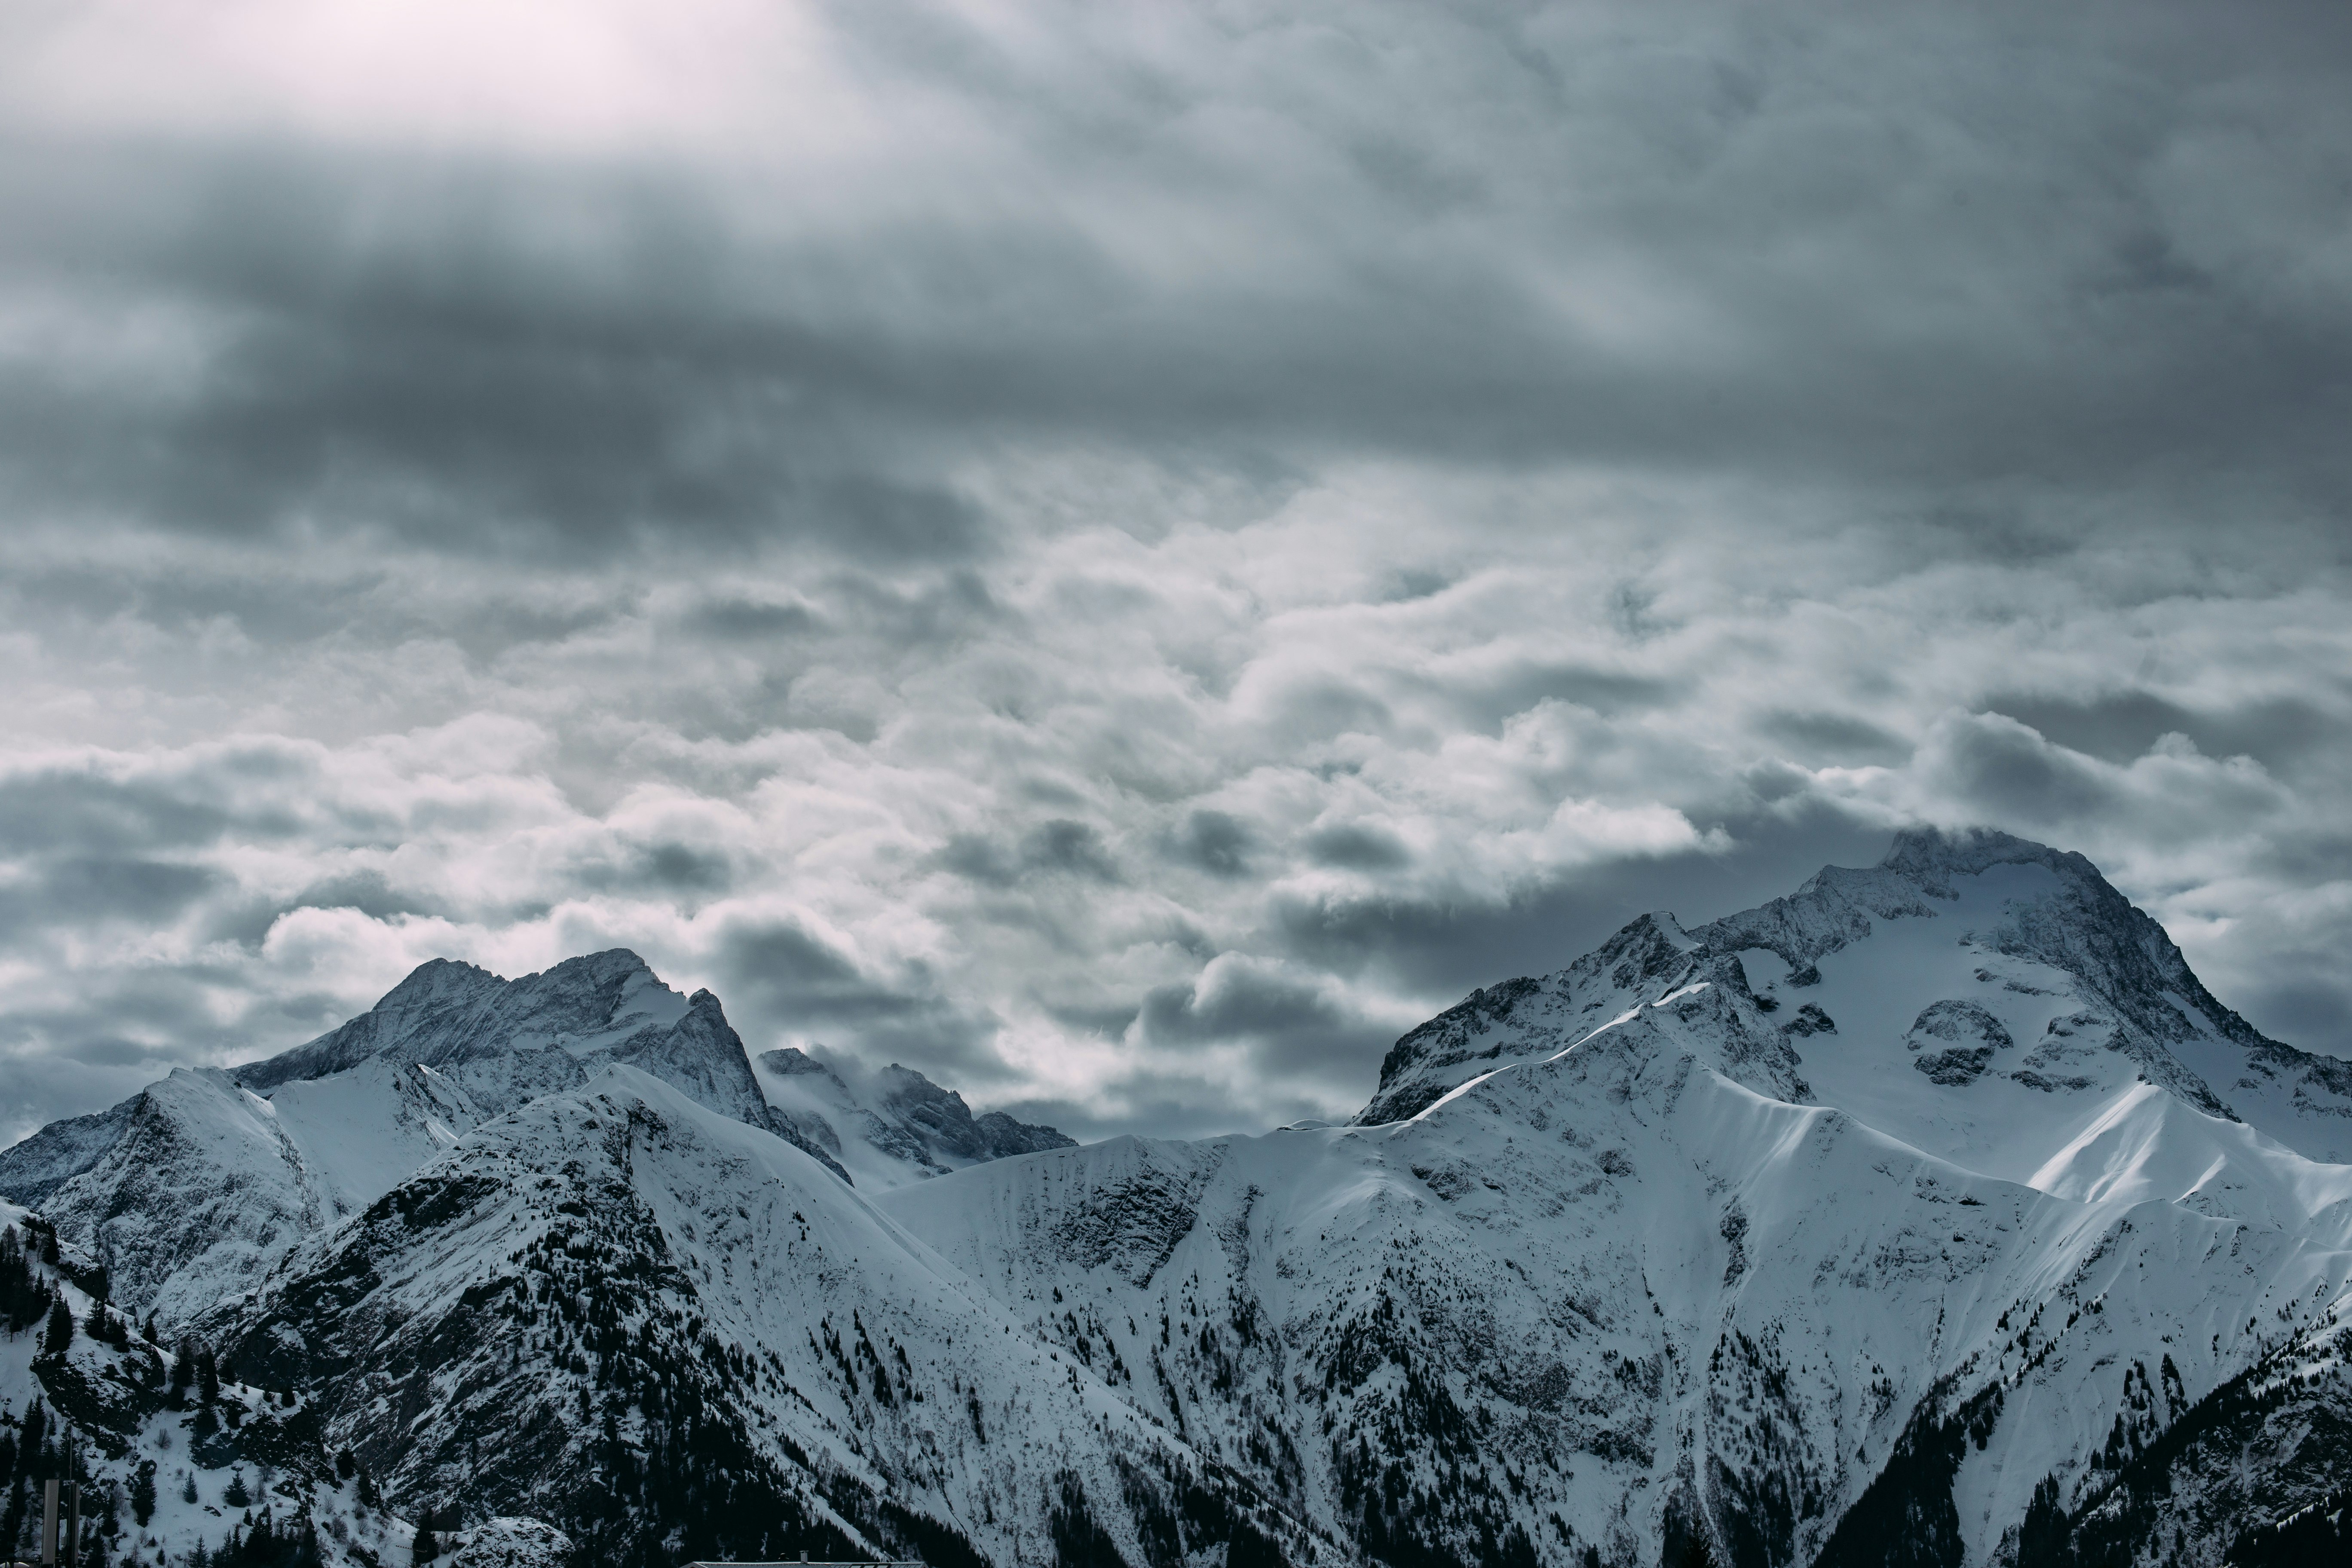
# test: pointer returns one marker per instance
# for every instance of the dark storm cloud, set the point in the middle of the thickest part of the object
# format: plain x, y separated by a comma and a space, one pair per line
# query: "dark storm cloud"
1450, 948
455, 385
1216, 842
1291, 1029
1357, 847
1918, 245
1055, 846
2119, 726
780, 979
1124, 558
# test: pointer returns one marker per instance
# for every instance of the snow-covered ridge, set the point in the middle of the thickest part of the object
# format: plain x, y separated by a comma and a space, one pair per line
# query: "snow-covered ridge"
195, 1187
1937, 1203
705, 1300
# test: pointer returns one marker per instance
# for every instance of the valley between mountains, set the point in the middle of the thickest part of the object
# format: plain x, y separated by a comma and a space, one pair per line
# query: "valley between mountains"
1934, 1214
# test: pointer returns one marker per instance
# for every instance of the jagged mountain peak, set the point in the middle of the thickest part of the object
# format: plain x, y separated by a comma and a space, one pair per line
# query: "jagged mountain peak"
436, 979
207, 1179
448, 1011
1906, 1209
2090, 993
888, 1126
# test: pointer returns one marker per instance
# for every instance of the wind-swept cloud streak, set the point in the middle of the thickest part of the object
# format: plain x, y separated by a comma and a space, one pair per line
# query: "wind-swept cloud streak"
1121, 556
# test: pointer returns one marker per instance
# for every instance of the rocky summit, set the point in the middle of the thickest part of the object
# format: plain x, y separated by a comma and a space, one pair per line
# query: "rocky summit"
1934, 1214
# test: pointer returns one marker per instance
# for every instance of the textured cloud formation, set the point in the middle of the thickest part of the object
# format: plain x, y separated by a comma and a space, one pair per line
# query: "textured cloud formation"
1122, 556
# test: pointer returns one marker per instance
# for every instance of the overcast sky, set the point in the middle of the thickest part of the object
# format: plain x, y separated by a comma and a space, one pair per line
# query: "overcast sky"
1123, 555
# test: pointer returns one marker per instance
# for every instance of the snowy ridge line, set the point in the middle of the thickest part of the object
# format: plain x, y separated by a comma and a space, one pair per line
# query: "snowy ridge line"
1937, 1201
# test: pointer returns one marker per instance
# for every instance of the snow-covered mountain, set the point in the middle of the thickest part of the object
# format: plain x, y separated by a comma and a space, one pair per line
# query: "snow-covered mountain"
197, 1186
721, 1337
1934, 1214
891, 1127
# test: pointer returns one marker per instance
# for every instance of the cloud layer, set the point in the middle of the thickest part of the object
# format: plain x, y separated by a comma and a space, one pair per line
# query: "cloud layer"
1122, 556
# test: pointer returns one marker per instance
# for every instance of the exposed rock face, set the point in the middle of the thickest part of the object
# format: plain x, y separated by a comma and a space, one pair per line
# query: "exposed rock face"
32, 1170
1957, 1041
509, 1542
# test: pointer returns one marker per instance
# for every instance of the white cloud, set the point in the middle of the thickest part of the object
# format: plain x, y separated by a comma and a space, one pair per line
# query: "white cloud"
1122, 553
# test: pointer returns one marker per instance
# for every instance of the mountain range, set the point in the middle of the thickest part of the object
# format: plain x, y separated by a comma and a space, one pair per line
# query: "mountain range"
1933, 1214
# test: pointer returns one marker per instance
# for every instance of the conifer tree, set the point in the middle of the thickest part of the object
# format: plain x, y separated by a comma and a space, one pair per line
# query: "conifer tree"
184, 1373
188, 1485
428, 1545
142, 1494
208, 1383
237, 1496
60, 1330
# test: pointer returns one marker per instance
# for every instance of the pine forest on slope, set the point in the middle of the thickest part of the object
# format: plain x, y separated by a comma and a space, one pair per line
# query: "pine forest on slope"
1934, 1214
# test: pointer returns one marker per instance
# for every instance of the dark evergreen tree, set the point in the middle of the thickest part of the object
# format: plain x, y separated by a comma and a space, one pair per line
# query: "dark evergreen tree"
29, 1440
24, 1296
428, 1545
188, 1487
142, 1494
208, 1379
1249, 1548
182, 1376
1699, 1551
60, 1330
237, 1496
12, 1514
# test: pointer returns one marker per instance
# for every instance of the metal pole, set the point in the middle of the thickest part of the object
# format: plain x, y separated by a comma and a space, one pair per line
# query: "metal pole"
48, 1524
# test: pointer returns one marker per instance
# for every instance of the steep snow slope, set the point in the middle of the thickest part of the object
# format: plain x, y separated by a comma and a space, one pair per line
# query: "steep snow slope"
727, 1350
33, 1169
201, 1192
890, 1127
1979, 996
1599, 1296
209, 1183
2029, 916
121, 1405
190, 1189
2252, 1473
